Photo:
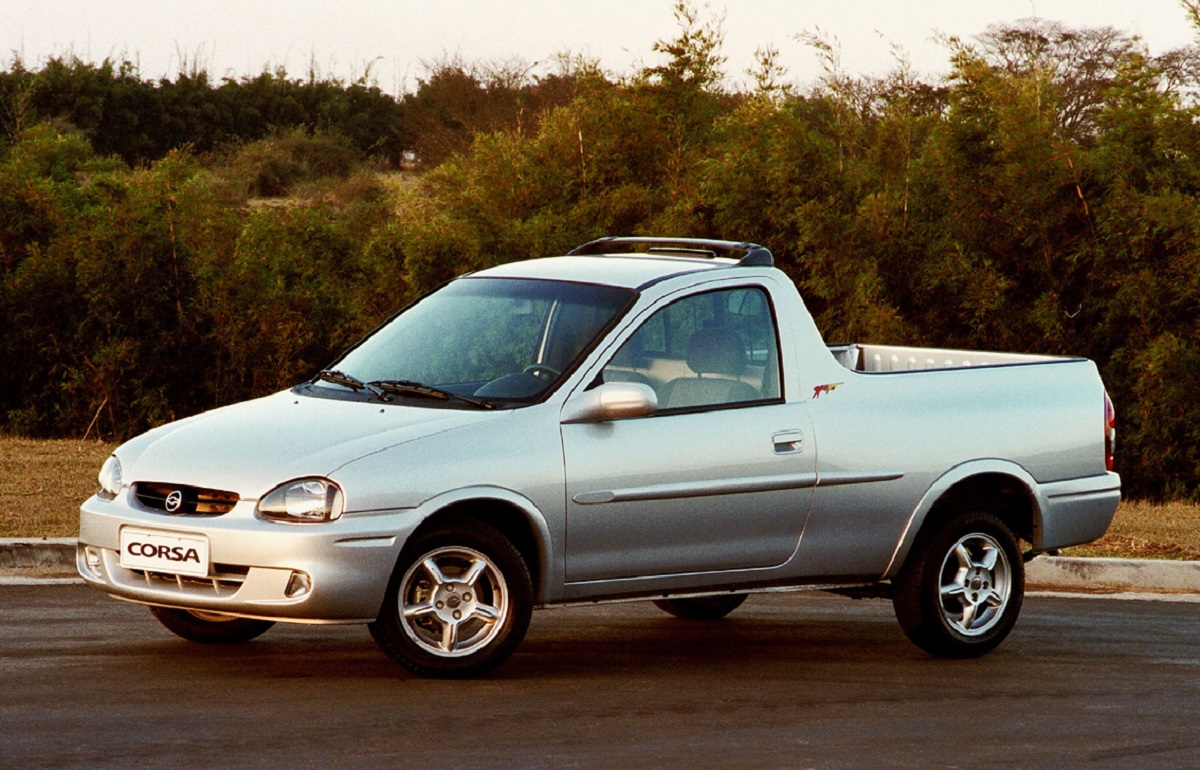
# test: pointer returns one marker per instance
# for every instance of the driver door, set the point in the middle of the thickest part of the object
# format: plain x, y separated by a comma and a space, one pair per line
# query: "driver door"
719, 478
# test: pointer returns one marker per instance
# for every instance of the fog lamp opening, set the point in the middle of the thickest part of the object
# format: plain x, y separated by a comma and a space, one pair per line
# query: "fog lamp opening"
94, 560
298, 585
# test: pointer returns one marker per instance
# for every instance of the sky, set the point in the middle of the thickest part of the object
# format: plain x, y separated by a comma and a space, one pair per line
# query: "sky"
394, 40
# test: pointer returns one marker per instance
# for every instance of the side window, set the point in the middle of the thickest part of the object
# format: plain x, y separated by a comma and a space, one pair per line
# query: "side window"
710, 349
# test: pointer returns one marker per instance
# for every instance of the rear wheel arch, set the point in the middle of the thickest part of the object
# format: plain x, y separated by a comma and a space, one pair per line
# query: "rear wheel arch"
1007, 497
1006, 493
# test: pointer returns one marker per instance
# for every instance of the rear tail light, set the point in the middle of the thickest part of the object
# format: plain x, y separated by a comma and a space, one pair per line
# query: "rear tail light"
1110, 432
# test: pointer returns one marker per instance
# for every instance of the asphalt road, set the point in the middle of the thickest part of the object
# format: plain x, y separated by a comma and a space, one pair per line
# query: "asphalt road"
789, 680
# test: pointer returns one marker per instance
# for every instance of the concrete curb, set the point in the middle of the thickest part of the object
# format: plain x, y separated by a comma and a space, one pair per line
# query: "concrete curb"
1064, 573
55, 558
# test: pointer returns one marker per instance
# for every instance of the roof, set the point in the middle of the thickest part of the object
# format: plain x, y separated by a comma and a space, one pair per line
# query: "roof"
626, 271
637, 261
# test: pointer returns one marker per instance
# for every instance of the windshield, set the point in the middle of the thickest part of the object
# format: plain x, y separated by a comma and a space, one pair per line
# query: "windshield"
496, 339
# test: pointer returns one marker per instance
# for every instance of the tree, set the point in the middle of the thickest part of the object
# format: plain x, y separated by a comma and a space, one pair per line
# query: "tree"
1079, 64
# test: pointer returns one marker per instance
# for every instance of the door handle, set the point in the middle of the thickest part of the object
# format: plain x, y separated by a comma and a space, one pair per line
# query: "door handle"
788, 442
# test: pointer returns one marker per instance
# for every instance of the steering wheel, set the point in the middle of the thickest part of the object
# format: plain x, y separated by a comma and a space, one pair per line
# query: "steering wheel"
543, 372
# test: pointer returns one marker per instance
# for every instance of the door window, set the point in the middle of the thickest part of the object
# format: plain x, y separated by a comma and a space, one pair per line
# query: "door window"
706, 350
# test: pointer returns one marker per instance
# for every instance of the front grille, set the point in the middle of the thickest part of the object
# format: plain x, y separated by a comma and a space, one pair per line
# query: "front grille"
192, 501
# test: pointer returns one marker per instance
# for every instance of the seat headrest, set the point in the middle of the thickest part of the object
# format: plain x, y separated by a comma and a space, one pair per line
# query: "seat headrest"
716, 351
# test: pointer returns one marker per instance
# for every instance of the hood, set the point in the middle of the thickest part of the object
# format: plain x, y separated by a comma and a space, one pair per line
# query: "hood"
252, 447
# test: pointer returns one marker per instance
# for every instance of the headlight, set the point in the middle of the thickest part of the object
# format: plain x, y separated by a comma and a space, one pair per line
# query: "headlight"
110, 479
302, 500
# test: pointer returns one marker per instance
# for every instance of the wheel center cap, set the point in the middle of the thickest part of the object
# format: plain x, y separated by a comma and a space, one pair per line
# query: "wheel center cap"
453, 602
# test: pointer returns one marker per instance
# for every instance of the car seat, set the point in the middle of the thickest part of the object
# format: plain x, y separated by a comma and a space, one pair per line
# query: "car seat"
717, 357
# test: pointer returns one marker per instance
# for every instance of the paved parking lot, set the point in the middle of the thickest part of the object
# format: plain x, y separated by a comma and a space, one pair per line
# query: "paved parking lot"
789, 680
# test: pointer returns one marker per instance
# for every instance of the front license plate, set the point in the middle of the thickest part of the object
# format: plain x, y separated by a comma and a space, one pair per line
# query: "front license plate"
164, 552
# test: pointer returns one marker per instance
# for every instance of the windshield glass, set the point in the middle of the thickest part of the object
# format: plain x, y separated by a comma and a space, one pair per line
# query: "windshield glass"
497, 339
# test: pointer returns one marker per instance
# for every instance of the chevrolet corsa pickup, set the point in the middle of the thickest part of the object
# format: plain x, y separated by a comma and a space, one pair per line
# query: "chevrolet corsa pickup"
642, 419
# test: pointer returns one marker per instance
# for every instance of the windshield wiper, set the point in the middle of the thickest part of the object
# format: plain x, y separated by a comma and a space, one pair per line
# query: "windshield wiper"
413, 387
341, 378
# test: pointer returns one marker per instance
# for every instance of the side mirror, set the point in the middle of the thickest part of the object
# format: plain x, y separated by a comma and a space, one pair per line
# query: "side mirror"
611, 401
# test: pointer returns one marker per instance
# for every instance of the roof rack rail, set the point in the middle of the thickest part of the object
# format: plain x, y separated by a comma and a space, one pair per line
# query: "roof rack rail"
745, 254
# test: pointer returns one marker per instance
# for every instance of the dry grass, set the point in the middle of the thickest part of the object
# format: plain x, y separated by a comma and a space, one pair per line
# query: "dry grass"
42, 484
1149, 531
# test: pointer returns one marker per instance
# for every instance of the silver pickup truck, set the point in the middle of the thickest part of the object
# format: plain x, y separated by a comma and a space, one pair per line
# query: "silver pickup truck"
644, 418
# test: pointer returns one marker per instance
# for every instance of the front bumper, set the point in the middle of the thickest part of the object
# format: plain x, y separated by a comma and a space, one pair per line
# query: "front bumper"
336, 572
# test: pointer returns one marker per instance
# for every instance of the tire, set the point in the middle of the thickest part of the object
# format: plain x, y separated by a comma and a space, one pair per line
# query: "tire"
458, 604
960, 592
701, 607
210, 627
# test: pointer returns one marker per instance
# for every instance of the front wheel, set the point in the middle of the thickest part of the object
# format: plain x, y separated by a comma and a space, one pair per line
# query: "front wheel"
458, 604
960, 592
210, 627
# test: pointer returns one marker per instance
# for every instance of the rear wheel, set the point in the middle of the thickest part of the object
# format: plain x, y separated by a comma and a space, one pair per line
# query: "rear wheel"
458, 604
209, 627
960, 592
702, 607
